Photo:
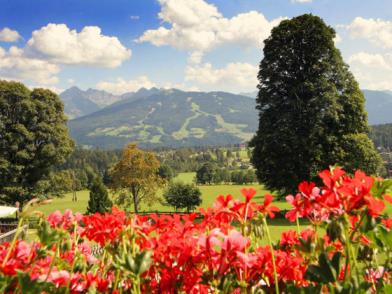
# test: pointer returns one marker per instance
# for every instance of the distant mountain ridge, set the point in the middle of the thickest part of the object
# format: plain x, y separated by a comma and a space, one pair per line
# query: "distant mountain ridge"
173, 118
78, 103
378, 106
169, 118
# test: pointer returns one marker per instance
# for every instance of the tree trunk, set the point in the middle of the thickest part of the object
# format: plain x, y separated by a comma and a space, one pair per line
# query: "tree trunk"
135, 203
135, 198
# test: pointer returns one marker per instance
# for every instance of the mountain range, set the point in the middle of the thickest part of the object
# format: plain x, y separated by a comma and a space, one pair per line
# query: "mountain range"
170, 118
173, 118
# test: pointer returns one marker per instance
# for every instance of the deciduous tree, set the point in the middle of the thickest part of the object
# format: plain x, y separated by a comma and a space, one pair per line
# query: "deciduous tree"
205, 174
33, 138
135, 177
180, 195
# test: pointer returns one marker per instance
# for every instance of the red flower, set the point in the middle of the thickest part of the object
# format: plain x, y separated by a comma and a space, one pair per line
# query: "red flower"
266, 208
330, 178
308, 234
387, 222
388, 198
223, 202
104, 228
302, 207
375, 206
289, 239
248, 193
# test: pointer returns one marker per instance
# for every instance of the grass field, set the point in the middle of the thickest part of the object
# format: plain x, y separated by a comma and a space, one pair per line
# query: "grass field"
209, 194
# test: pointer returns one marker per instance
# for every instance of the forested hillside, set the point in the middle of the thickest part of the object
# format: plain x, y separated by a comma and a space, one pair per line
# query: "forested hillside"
170, 118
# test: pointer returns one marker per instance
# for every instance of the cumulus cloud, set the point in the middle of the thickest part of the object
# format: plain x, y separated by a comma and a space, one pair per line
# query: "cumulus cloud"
198, 26
8, 35
337, 39
377, 31
373, 71
234, 77
59, 44
369, 60
121, 85
15, 66
195, 57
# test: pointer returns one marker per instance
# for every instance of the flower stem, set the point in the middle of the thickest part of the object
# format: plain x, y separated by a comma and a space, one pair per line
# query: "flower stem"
272, 255
297, 221
16, 235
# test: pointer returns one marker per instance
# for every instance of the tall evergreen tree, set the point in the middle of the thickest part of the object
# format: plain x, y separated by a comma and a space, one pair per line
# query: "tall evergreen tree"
311, 110
99, 198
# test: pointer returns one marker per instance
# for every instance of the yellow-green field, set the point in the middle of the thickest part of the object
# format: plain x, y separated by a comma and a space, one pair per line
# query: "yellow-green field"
209, 194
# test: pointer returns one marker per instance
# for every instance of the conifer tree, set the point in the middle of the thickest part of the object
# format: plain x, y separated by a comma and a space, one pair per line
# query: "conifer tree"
99, 198
311, 110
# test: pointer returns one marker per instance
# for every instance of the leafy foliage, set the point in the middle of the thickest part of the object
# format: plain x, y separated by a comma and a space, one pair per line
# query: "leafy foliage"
311, 110
205, 175
135, 177
99, 198
166, 172
33, 138
180, 195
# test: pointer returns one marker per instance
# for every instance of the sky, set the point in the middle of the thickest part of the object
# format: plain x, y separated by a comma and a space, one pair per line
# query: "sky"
201, 45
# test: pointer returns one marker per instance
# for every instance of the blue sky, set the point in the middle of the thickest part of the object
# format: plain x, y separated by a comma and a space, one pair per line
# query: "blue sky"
122, 45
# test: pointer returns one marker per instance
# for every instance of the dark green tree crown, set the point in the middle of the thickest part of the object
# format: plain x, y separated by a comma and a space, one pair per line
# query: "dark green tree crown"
311, 110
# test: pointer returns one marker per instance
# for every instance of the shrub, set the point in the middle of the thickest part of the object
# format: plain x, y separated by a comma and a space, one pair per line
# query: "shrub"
180, 195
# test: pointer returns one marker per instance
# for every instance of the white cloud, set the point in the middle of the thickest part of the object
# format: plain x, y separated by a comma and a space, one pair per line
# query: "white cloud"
377, 31
134, 17
372, 71
15, 66
337, 39
369, 60
8, 35
58, 44
198, 26
235, 77
195, 57
121, 85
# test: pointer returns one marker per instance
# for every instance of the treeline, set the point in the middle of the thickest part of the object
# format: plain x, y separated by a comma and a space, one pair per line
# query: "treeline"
84, 165
382, 136
81, 168
192, 159
211, 174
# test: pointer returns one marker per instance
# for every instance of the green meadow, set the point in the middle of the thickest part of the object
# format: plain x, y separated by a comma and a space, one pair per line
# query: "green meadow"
209, 194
